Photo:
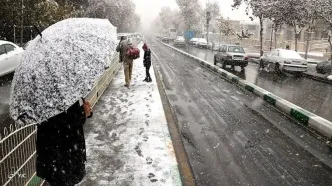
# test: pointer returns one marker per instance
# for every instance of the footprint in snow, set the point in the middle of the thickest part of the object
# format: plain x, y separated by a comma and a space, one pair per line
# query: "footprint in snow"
145, 138
149, 160
138, 150
147, 122
151, 177
141, 130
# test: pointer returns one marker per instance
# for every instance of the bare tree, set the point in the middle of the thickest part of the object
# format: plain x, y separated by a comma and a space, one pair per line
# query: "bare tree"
298, 14
324, 11
260, 9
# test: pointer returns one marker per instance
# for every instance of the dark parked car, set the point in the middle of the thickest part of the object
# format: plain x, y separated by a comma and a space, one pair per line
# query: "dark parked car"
324, 67
233, 55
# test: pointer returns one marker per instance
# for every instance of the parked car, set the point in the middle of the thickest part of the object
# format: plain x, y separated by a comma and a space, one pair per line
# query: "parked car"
233, 55
165, 39
283, 59
193, 41
324, 67
202, 43
10, 56
180, 41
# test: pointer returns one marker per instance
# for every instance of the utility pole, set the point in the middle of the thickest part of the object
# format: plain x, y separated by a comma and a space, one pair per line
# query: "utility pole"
22, 6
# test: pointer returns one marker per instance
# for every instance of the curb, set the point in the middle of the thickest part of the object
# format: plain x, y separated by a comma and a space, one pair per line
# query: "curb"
187, 175
306, 118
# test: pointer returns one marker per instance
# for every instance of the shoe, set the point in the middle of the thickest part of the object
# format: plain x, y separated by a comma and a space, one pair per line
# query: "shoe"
126, 85
149, 80
145, 80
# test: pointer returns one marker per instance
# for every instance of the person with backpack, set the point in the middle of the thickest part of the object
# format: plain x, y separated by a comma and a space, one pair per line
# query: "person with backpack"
147, 62
129, 53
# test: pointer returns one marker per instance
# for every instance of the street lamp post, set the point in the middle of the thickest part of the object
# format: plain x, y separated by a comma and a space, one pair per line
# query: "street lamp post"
208, 18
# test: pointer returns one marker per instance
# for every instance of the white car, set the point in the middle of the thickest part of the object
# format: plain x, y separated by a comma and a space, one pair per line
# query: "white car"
281, 59
202, 43
193, 41
10, 56
179, 41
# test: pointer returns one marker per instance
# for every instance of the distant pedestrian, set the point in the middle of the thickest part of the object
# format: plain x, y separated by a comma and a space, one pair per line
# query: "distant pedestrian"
287, 47
60, 146
120, 52
147, 62
123, 47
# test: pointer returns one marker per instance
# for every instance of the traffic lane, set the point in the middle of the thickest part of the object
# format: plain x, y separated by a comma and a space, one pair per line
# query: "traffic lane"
309, 94
5, 86
208, 55
234, 138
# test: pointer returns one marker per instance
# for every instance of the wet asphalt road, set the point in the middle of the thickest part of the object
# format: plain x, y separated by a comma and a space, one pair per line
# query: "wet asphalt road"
234, 138
5, 85
309, 94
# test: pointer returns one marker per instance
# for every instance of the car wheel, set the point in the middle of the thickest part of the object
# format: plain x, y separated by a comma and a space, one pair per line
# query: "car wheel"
223, 64
215, 61
277, 67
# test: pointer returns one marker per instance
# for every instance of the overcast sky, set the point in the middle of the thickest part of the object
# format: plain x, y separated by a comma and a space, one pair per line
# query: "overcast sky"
149, 9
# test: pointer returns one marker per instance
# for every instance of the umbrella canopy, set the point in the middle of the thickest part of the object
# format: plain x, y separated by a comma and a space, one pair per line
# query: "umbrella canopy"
60, 67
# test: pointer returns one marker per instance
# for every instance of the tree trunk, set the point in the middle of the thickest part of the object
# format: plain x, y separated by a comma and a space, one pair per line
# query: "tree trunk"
275, 37
271, 39
330, 48
261, 35
219, 38
295, 31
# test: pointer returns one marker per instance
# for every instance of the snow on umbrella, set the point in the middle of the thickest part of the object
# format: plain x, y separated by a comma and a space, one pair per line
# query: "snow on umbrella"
60, 67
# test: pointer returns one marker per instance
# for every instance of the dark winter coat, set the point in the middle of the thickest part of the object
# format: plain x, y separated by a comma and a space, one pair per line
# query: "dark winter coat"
61, 154
147, 58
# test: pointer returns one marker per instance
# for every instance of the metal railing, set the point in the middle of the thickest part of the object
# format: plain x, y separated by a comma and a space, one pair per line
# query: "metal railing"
17, 144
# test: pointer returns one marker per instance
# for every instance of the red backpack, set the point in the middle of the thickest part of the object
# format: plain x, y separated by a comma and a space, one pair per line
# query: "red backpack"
133, 53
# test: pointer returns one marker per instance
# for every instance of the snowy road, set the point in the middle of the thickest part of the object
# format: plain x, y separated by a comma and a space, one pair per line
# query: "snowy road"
234, 138
312, 95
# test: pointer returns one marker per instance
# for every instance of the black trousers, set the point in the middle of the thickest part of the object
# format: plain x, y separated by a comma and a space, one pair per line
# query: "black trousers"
147, 69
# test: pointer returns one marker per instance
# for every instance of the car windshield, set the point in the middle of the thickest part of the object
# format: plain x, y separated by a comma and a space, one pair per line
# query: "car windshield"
202, 40
235, 49
290, 54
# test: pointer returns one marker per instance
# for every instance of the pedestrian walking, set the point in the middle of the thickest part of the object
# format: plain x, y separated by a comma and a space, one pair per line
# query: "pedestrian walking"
60, 146
147, 62
287, 47
126, 49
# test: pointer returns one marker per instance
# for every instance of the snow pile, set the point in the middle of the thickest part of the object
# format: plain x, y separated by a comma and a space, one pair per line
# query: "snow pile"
62, 66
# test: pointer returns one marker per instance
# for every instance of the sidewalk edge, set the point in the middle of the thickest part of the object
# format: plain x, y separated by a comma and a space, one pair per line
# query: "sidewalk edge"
186, 172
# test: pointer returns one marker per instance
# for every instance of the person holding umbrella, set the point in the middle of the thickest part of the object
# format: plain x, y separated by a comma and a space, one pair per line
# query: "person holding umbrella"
57, 70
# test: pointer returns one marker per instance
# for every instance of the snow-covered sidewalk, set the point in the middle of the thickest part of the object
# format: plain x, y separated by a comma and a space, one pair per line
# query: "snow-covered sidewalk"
127, 140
